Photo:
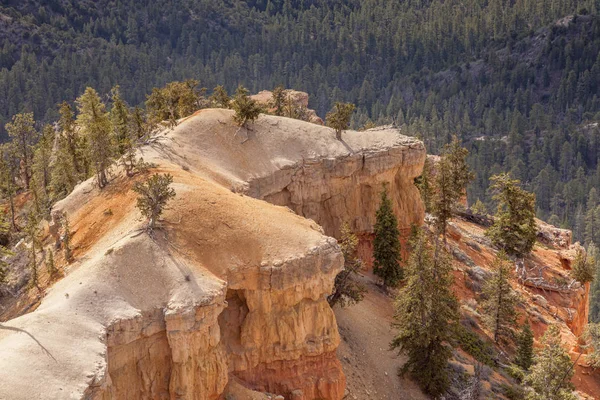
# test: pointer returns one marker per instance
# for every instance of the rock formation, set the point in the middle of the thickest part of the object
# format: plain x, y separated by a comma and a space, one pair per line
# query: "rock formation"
230, 294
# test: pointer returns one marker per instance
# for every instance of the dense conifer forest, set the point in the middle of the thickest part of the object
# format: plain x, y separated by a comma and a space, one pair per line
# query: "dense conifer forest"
517, 81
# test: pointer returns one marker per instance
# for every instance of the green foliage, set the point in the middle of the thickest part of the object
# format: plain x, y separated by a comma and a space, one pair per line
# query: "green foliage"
594, 315
524, 356
153, 195
473, 344
426, 309
52, 271
386, 244
584, 267
339, 118
550, 375
94, 124
32, 231
22, 131
246, 109
173, 102
479, 208
66, 237
592, 337
346, 289
220, 98
499, 300
425, 185
4, 252
514, 229
278, 100
452, 176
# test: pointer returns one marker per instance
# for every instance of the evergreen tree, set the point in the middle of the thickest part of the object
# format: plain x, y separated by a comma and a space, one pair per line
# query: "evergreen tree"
594, 313
346, 290
66, 237
94, 123
499, 299
479, 208
119, 116
246, 109
524, 356
426, 185
551, 373
64, 173
72, 144
592, 337
514, 229
33, 235
277, 102
425, 311
386, 244
339, 118
9, 166
4, 252
22, 131
154, 194
220, 98
451, 179
584, 267
173, 102
50, 264
591, 221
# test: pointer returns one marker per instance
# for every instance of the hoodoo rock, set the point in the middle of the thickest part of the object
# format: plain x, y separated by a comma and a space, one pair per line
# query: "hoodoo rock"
229, 296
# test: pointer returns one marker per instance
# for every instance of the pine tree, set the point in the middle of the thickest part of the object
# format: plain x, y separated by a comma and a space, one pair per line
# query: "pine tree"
339, 118
524, 356
451, 180
9, 166
346, 289
72, 144
50, 264
246, 109
499, 300
277, 102
514, 229
33, 235
592, 337
479, 208
4, 252
22, 131
154, 194
173, 102
426, 185
551, 373
426, 308
66, 237
594, 314
584, 267
64, 173
220, 98
94, 123
591, 221
140, 126
119, 116
386, 244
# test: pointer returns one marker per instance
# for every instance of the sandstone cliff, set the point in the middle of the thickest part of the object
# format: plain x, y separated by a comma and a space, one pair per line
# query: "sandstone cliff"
232, 289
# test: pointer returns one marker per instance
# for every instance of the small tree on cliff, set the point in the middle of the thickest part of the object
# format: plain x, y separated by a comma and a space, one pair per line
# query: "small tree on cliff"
346, 290
524, 356
386, 245
220, 98
154, 194
246, 109
499, 300
66, 237
451, 180
514, 229
425, 184
426, 309
550, 377
278, 99
584, 267
339, 118
592, 336
32, 231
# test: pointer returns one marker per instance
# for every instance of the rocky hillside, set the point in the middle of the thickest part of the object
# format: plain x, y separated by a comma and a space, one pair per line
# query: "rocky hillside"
227, 298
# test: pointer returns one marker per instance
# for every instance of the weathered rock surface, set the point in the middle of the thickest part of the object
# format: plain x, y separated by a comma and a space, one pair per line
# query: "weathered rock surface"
232, 288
